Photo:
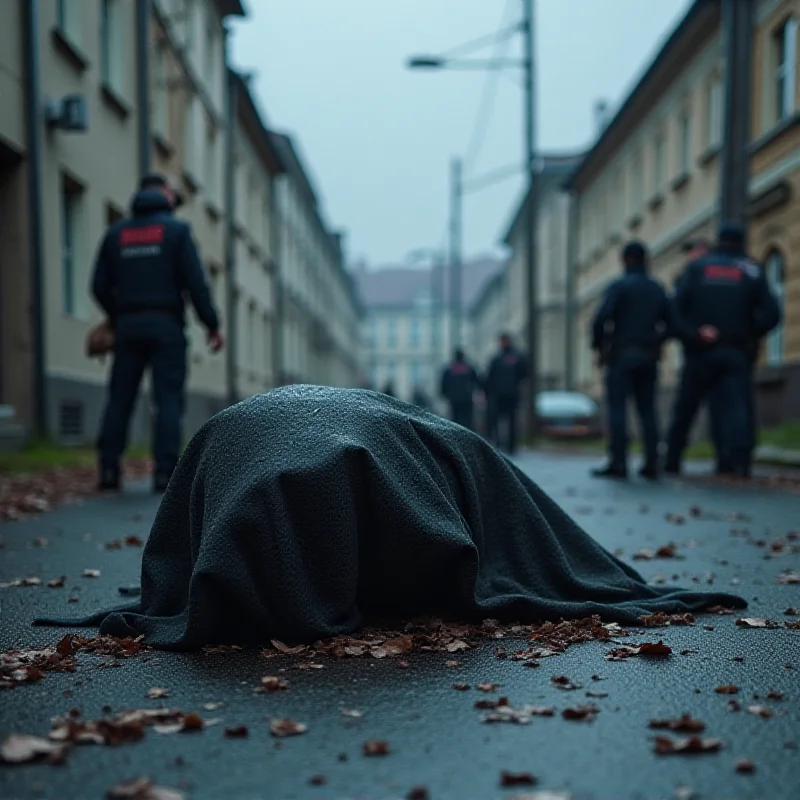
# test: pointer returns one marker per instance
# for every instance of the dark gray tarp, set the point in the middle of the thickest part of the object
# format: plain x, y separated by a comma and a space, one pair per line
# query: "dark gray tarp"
298, 513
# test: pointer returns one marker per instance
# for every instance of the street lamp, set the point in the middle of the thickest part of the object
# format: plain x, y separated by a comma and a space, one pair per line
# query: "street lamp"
433, 62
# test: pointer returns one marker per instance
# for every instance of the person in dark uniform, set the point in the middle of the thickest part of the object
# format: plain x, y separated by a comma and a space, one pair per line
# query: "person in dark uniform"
722, 307
459, 383
507, 371
388, 389
146, 265
628, 332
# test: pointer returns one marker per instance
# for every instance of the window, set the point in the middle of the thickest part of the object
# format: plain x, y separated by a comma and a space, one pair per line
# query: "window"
775, 270
637, 184
785, 48
659, 163
161, 90
685, 142
714, 105
112, 45
74, 292
212, 163
69, 19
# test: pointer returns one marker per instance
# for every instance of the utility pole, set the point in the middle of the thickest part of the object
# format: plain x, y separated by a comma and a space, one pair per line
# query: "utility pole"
532, 282
456, 201
737, 26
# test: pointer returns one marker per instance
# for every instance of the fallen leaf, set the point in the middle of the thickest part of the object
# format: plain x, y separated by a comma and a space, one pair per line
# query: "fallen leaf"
664, 746
157, 693
91, 573
142, 789
237, 732
581, 713
760, 711
374, 747
133, 541
654, 649
57, 583
661, 620
727, 689
352, 713
286, 727
29, 581
452, 664
774, 695
19, 748
272, 683
286, 650
789, 578
461, 687
745, 766
684, 724
517, 779
455, 647
212, 706
564, 683
418, 793
597, 695
792, 612
734, 705
317, 780
753, 622
721, 610
488, 687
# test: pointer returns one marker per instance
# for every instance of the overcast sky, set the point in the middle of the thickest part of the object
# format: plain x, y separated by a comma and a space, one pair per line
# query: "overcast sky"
378, 139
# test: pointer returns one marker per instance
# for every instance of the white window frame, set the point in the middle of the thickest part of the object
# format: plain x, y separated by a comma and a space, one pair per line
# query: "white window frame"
69, 20
637, 183
685, 141
716, 105
112, 45
775, 271
659, 163
785, 76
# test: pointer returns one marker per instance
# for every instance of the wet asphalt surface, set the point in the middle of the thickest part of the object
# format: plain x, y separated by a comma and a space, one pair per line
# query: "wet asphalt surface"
435, 734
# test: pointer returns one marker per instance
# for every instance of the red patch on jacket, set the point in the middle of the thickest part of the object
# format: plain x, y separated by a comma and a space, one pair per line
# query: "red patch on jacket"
150, 234
718, 272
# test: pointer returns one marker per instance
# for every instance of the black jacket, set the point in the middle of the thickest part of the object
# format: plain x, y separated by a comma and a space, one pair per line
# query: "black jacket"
634, 314
728, 291
506, 372
149, 262
459, 382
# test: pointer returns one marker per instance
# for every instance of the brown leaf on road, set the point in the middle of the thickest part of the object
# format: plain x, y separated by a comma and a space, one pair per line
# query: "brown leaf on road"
597, 695
585, 713
272, 683
793, 626
193, 722
792, 612
156, 693
418, 793
317, 780
57, 583
727, 688
690, 745
517, 779
286, 727
452, 664
456, 646
661, 620
285, 649
19, 748
484, 704
760, 711
133, 541
789, 577
487, 687
564, 683
772, 694
29, 581
237, 732
754, 622
352, 712
461, 687
734, 705
721, 610
504, 713
375, 747
91, 573
142, 789
684, 724
654, 649
745, 767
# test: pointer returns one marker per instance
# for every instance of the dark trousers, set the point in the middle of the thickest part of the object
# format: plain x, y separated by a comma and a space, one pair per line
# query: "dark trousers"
503, 414
462, 414
716, 412
634, 377
722, 373
157, 342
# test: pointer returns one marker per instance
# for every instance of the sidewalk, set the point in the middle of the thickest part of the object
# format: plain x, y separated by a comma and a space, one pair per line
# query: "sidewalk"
423, 704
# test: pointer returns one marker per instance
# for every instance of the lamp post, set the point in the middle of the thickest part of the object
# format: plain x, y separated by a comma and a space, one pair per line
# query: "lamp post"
433, 62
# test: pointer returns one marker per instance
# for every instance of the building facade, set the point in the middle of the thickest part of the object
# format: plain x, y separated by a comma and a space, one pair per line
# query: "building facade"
488, 317
319, 307
552, 248
654, 175
95, 94
407, 329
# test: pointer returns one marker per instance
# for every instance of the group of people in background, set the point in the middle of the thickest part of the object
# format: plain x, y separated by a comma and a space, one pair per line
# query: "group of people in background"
720, 311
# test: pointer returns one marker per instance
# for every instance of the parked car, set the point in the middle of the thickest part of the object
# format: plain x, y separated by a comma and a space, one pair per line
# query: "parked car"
569, 415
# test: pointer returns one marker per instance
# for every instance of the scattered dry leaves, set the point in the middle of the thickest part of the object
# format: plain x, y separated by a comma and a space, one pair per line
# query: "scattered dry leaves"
272, 683
286, 727
689, 745
684, 724
508, 779
375, 747
585, 713
727, 688
745, 767
753, 622
142, 789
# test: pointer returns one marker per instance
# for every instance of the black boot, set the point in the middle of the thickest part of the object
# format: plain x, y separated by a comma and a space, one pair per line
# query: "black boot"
649, 472
611, 470
109, 479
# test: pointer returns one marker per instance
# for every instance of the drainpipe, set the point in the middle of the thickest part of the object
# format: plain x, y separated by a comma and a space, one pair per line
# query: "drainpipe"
143, 10
35, 144
277, 283
230, 217
572, 277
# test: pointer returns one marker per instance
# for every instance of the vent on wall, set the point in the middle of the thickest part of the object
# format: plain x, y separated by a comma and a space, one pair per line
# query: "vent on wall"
70, 422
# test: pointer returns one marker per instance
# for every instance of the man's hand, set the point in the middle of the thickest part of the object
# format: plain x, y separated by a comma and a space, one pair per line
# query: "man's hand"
708, 334
216, 341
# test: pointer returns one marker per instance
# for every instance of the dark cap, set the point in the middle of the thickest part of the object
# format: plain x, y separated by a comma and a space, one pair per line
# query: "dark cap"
693, 244
153, 180
732, 234
634, 252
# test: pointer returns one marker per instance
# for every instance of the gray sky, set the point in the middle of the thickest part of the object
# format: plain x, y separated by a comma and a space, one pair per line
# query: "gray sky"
378, 139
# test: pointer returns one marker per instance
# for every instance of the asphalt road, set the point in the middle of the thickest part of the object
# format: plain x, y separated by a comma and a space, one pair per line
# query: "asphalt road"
435, 734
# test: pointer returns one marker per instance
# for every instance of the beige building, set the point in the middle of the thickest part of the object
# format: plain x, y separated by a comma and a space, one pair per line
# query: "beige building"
552, 243
653, 175
488, 317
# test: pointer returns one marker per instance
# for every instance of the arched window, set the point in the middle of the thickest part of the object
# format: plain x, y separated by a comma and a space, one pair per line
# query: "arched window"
775, 270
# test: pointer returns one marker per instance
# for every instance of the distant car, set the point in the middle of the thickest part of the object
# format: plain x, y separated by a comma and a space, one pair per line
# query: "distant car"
568, 415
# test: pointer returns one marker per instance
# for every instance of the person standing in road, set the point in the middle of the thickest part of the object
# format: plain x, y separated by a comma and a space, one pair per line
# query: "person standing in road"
722, 307
628, 332
507, 371
459, 383
146, 265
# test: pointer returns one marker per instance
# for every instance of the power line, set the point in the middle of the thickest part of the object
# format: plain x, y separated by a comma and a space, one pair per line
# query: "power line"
482, 41
489, 92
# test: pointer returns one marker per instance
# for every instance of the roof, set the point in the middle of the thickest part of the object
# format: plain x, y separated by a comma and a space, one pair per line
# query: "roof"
666, 65
288, 151
251, 117
398, 287
231, 8
554, 167
494, 284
